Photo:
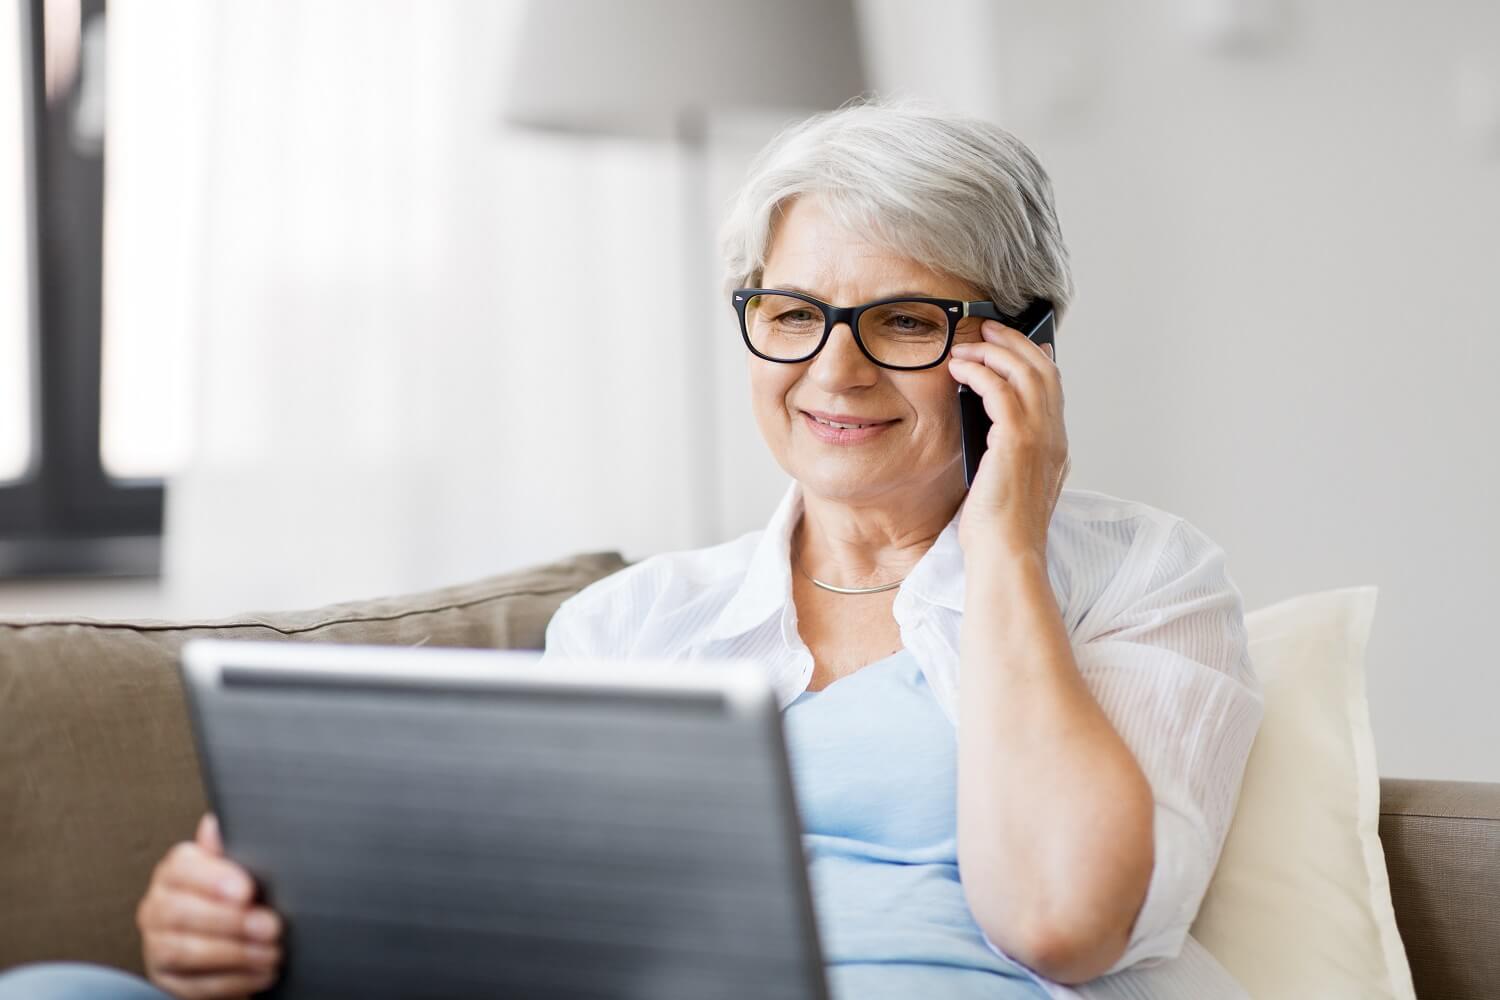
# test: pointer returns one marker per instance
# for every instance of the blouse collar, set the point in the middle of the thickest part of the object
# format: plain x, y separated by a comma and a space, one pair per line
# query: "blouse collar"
766, 590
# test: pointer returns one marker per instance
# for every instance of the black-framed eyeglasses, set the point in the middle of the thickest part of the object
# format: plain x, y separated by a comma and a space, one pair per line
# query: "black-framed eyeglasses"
904, 334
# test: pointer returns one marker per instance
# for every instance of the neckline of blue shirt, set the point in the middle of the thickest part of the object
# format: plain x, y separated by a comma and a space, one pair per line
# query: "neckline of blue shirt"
899, 654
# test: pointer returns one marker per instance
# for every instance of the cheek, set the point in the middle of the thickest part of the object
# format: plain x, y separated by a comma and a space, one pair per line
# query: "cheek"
769, 385
936, 401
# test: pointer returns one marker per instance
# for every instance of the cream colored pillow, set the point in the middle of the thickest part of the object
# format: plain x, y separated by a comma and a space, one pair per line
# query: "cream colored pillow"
1300, 905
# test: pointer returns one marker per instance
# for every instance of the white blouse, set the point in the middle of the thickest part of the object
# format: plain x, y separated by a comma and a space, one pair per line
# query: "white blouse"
1157, 629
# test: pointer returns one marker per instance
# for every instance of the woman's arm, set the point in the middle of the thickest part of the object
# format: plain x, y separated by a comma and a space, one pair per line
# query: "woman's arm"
1054, 814
1096, 781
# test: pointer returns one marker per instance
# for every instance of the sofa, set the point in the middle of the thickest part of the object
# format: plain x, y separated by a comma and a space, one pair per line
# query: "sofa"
98, 774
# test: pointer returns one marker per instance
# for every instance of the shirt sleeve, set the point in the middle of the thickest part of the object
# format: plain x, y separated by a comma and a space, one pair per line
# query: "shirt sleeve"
583, 627
605, 618
1171, 669
567, 632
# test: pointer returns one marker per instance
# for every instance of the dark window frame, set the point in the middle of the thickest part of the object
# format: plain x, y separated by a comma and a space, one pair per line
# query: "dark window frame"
67, 516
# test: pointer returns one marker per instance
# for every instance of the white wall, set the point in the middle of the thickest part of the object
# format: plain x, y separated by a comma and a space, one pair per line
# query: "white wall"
1287, 327
1285, 330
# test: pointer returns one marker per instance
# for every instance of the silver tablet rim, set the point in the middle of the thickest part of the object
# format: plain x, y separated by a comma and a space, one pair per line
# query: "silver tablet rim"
742, 683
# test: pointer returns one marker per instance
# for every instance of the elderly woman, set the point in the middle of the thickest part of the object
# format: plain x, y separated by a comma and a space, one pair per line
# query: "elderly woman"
1017, 714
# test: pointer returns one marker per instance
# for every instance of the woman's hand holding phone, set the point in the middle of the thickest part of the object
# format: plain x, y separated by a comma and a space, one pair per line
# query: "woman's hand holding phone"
1020, 477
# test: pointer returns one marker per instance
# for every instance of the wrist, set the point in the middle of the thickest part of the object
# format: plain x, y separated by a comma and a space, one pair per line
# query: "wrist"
1002, 545
1002, 564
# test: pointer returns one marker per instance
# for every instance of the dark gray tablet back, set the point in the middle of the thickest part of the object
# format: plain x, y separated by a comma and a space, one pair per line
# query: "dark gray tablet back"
438, 823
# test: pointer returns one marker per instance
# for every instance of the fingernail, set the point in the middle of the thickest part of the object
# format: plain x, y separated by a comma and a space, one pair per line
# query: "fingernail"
264, 955
208, 831
233, 887
261, 925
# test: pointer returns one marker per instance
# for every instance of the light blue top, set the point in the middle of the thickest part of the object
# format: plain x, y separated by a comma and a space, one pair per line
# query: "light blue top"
873, 762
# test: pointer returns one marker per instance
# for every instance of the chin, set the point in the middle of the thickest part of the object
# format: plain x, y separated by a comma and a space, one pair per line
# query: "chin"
843, 479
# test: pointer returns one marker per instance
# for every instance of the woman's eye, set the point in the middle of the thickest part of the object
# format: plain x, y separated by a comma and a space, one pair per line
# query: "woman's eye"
796, 317
909, 324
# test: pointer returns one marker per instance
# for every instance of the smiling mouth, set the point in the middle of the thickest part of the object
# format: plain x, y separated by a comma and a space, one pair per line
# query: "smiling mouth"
845, 426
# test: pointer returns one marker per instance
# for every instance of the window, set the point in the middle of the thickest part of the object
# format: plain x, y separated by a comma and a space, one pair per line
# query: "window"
65, 514
15, 395
143, 390
15, 337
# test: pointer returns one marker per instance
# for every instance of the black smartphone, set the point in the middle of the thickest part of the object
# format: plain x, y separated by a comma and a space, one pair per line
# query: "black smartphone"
1038, 324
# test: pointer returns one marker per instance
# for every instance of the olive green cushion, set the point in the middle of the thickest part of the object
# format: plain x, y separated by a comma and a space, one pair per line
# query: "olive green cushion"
98, 776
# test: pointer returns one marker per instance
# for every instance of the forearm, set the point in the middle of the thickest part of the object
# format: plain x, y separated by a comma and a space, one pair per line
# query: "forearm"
1054, 813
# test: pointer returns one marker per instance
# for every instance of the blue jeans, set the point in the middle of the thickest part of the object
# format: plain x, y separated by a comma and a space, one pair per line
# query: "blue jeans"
74, 981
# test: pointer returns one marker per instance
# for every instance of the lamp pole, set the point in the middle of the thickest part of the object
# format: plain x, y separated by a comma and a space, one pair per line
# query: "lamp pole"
656, 69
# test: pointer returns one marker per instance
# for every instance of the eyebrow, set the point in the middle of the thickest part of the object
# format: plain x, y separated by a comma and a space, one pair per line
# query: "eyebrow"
907, 293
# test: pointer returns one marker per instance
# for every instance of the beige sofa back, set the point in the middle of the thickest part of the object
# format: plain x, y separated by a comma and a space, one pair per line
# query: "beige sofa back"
1442, 850
98, 775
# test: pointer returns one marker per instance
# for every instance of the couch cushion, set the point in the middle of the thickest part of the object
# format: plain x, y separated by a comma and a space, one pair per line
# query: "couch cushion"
100, 776
1300, 905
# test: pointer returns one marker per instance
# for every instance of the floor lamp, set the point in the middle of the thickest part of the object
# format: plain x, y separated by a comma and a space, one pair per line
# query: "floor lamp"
656, 70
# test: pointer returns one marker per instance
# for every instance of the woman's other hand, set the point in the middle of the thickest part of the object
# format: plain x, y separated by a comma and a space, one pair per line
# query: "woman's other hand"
203, 936
1026, 459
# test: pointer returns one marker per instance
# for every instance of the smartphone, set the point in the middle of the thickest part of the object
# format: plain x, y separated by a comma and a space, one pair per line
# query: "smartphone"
1037, 322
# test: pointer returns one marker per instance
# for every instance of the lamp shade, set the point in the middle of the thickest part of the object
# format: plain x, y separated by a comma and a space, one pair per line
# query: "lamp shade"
637, 67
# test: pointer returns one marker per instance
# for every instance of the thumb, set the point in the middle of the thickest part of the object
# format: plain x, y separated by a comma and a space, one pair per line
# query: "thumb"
208, 834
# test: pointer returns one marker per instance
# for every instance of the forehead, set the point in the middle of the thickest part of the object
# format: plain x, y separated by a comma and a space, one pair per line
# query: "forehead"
809, 248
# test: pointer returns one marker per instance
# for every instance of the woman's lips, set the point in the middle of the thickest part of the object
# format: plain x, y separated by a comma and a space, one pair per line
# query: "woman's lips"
821, 426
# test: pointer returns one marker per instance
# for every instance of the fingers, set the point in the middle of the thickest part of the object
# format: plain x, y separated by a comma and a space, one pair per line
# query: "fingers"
1016, 380
165, 909
190, 868
1001, 402
1033, 356
185, 954
1027, 366
221, 985
997, 332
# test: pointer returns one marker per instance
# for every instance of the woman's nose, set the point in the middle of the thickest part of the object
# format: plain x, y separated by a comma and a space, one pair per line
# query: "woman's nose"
841, 364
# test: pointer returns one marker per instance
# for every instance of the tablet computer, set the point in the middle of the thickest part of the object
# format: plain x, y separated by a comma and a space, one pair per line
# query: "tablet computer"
467, 823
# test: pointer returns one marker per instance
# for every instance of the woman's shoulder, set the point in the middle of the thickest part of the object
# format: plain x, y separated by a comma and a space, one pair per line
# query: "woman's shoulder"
1106, 553
1104, 530
1098, 521
1091, 506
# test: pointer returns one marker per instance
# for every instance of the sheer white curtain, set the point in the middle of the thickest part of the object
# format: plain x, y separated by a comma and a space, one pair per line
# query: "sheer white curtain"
427, 348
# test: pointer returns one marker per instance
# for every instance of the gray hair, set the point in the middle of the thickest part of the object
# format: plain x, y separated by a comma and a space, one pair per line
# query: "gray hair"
955, 193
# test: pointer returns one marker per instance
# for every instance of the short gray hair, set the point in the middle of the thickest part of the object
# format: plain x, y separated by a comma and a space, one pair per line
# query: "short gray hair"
955, 193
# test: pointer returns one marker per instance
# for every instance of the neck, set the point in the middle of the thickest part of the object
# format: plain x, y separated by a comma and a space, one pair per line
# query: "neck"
853, 544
